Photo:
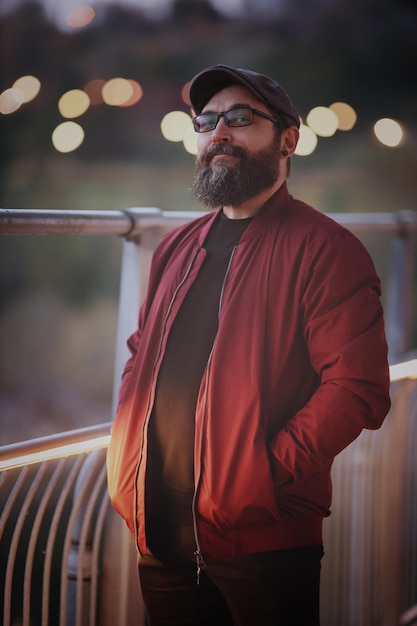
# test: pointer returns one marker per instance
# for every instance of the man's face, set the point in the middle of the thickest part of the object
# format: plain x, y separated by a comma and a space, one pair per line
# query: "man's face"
235, 164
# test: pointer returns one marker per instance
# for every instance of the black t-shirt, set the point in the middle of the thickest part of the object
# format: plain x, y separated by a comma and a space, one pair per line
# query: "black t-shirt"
170, 481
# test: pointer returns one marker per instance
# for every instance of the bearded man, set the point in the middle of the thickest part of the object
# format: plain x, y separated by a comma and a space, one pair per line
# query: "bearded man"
260, 354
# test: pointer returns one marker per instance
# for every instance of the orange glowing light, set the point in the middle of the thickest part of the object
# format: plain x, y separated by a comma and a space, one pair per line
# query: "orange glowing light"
80, 16
93, 89
137, 94
184, 93
346, 115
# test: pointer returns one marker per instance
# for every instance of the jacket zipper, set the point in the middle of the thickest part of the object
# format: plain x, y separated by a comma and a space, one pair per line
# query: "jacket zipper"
149, 406
198, 554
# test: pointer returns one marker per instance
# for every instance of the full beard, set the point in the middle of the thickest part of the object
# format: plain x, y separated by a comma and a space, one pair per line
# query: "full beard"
229, 184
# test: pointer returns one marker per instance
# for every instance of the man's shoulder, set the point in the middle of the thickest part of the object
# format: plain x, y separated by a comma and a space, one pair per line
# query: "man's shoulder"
321, 235
310, 222
303, 214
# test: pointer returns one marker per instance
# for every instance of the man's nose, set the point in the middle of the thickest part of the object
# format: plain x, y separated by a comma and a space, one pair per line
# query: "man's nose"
221, 134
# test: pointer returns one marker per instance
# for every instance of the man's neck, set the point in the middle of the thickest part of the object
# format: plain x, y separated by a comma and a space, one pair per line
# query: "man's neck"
252, 206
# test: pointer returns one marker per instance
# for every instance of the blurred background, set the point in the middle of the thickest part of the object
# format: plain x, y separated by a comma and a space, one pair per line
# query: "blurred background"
94, 116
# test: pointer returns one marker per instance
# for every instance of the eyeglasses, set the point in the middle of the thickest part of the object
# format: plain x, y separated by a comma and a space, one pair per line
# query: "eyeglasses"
243, 116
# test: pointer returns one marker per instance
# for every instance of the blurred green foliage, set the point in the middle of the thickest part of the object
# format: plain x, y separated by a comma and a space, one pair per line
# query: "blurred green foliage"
75, 268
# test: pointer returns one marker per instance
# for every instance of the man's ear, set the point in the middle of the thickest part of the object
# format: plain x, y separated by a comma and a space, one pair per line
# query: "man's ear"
289, 140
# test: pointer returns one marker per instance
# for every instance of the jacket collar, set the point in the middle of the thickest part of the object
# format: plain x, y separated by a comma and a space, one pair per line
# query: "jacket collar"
275, 208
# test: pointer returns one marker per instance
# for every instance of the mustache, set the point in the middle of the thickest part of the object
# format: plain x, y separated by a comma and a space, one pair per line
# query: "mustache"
226, 148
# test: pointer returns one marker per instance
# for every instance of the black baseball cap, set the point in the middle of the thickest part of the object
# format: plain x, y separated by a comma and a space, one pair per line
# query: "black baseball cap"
215, 78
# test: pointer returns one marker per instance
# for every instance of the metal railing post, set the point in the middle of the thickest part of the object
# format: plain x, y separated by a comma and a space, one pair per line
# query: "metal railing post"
136, 261
401, 289
137, 255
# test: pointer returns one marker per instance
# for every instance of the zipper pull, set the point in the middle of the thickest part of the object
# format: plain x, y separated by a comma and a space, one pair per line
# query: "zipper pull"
200, 564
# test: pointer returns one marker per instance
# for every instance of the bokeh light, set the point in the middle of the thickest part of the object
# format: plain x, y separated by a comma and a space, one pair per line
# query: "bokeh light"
230, 9
93, 89
73, 103
346, 115
388, 132
80, 16
29, 86
11, 100
190, 141
137, 93
307, 142
67, 137
117, 91
175, 125
323, 121
185, 93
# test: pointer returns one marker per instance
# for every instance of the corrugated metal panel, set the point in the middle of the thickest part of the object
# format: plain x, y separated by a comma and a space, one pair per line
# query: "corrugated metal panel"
53, 535
370, 567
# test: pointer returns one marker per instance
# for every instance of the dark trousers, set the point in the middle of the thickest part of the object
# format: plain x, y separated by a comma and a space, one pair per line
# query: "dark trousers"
267, 589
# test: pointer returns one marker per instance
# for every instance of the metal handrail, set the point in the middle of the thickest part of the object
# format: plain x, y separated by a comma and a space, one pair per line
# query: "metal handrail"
127, 223
133, 221
28, 221
23, 449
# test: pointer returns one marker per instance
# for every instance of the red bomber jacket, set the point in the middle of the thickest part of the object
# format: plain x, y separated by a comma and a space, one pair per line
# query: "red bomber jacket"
298, 368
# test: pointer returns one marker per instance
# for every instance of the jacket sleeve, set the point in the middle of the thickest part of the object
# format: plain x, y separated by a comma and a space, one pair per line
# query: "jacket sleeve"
344, 330
132, 344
